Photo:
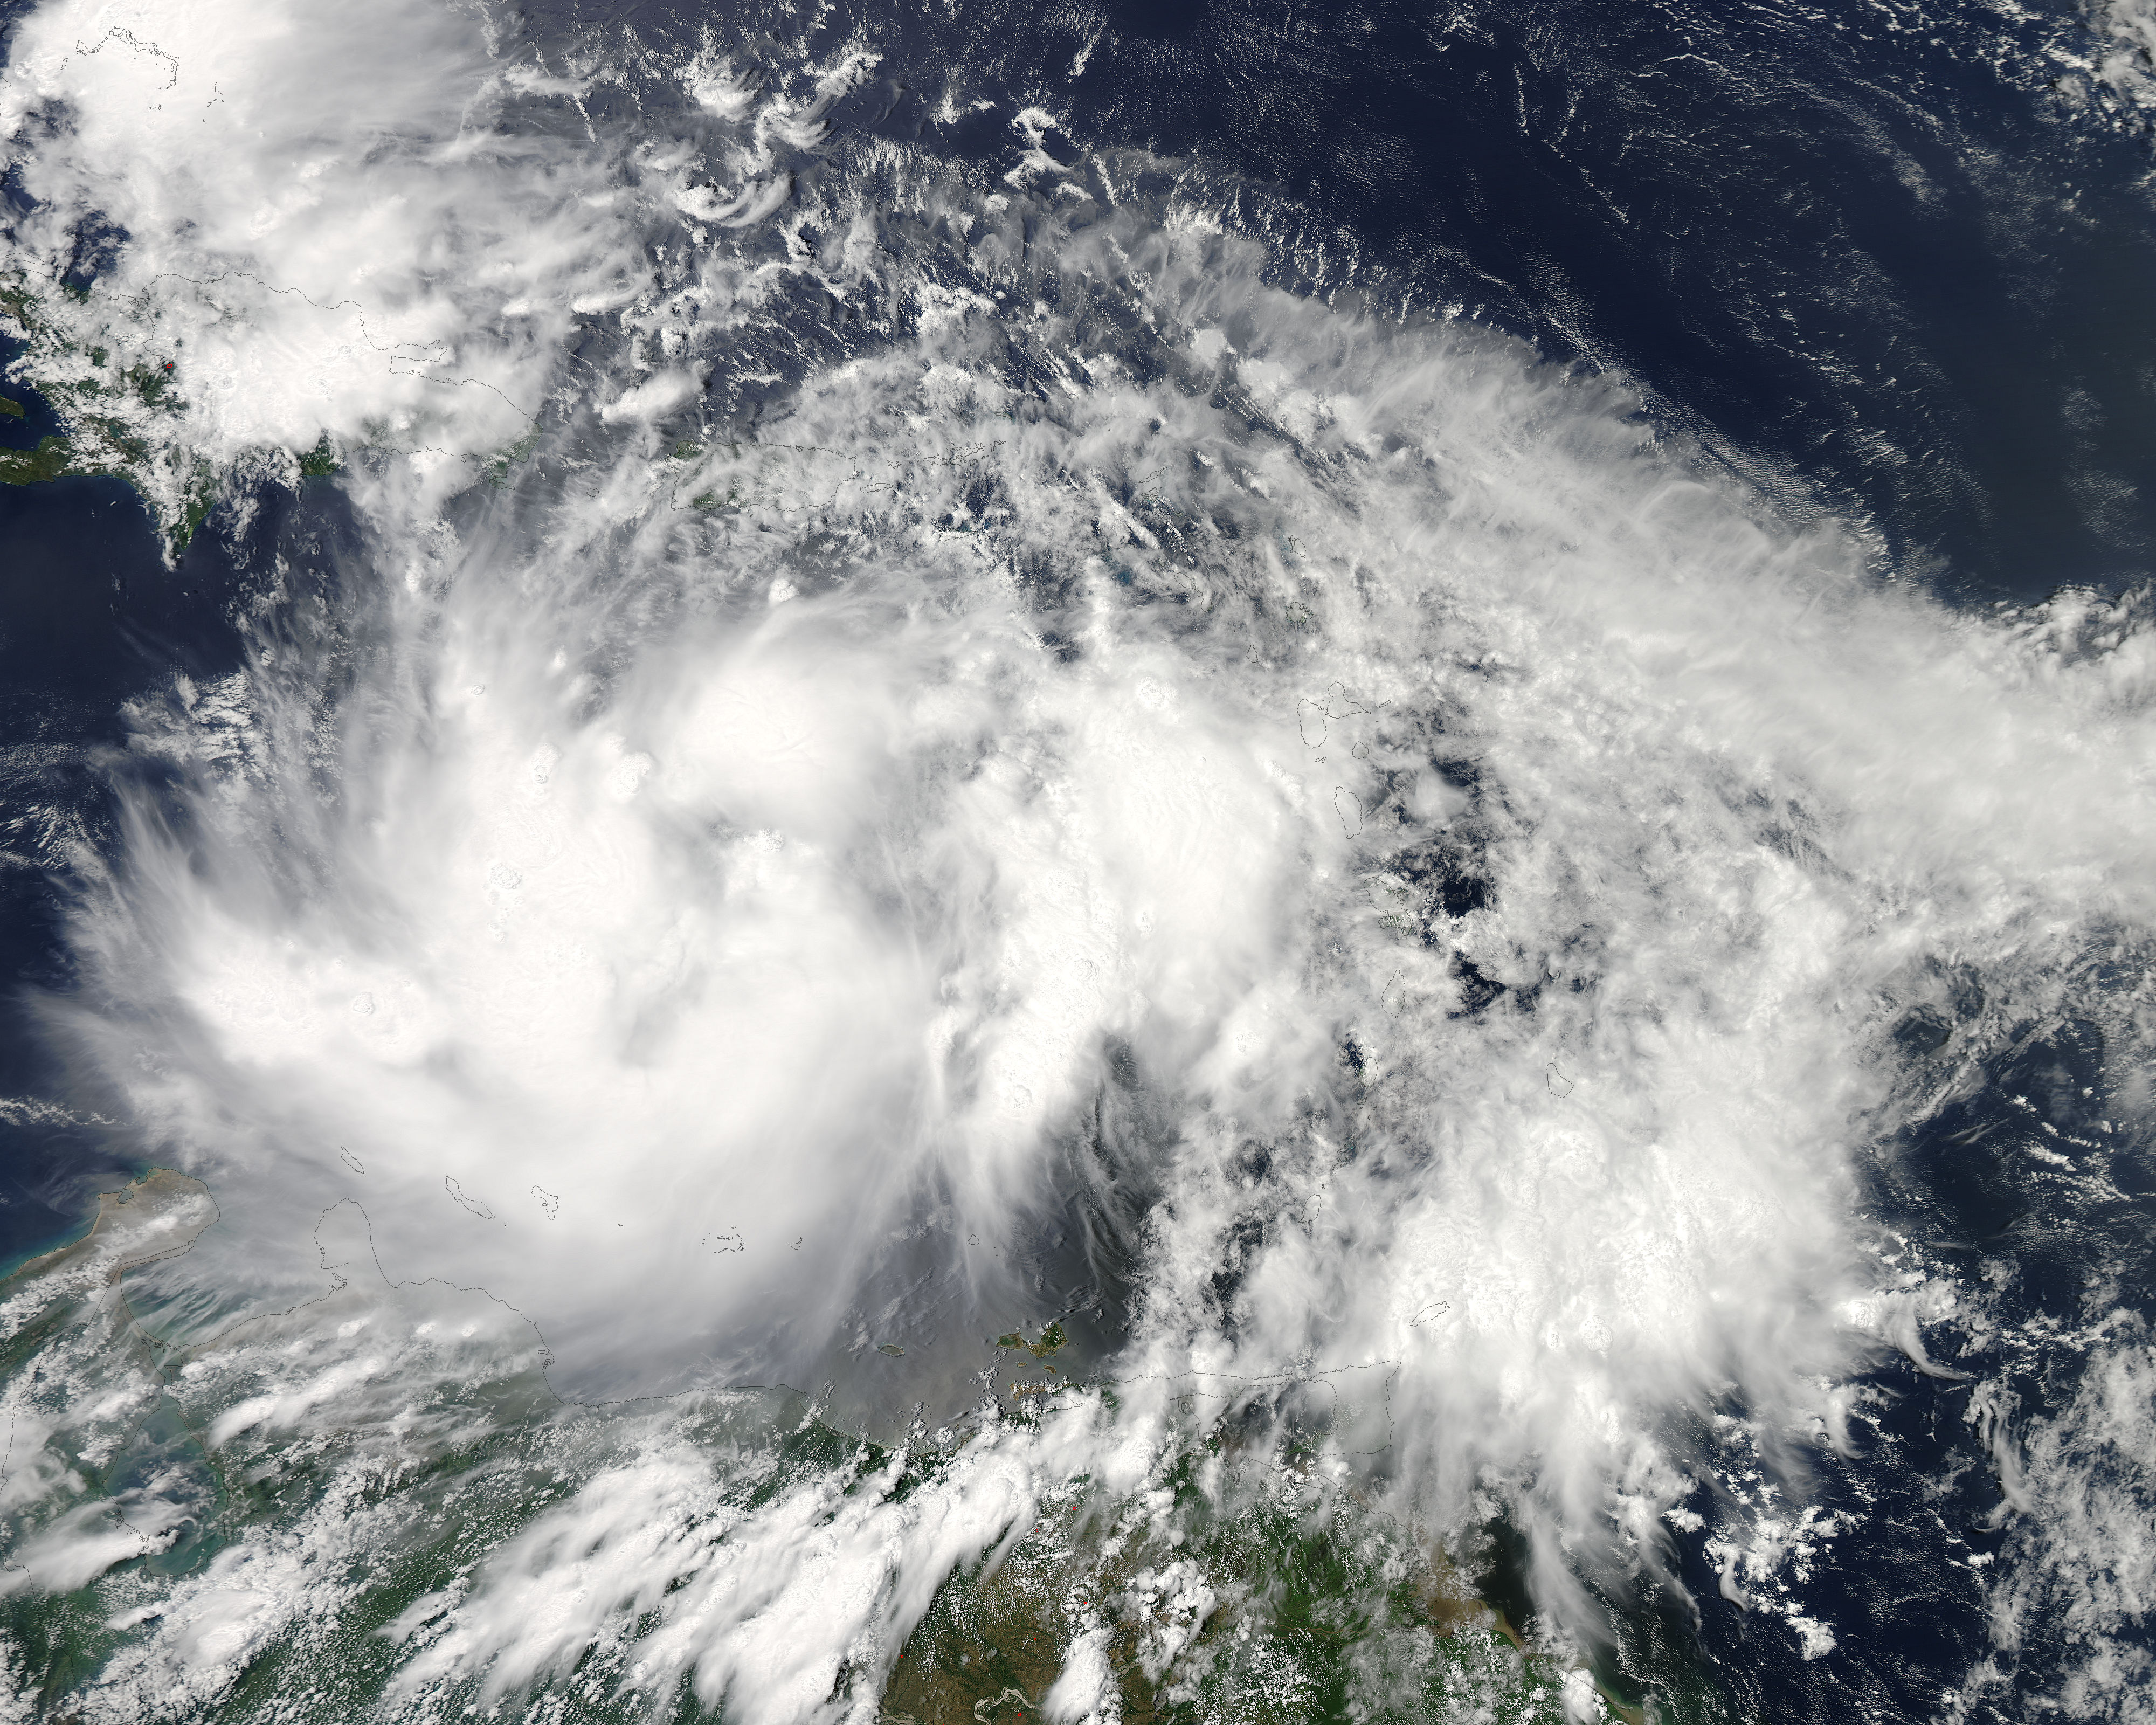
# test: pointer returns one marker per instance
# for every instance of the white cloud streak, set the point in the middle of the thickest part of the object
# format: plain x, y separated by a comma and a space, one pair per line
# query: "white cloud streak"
749, 872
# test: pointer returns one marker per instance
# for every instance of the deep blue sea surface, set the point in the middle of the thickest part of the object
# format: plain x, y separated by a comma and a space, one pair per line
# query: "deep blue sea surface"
1890, 259
1889, 262
89, 616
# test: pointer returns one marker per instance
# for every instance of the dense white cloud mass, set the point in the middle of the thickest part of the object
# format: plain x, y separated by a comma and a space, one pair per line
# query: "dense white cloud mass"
327, 224
1429, 877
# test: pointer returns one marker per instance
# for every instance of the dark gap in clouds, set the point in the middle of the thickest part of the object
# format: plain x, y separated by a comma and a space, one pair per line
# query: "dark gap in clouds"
1847, 255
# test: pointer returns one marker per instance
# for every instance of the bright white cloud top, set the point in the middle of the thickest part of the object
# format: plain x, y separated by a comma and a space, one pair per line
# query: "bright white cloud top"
1312, 837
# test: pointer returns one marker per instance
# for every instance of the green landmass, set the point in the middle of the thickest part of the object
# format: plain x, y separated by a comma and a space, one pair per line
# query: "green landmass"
52, 458
57, 457
499, 466
1251, 1614
1246, 1584
320, 461
110, 410
1052, 1338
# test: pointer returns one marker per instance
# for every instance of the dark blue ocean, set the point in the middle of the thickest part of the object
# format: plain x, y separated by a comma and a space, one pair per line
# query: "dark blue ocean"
1891, 263
89, 616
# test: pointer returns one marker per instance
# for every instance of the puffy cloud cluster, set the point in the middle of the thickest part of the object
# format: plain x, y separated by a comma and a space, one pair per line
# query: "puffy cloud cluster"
1325, 815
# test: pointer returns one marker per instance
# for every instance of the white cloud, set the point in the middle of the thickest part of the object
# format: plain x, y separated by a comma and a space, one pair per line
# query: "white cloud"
653, 399
308, 262
725, 986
